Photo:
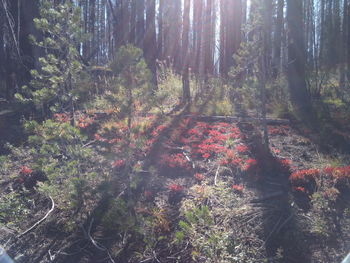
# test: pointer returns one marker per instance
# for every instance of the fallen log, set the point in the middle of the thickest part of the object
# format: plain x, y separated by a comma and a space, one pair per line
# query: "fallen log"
269, 121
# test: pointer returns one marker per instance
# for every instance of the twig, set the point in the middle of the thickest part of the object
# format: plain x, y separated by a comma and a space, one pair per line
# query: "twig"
189, 160
146, 260
89, 143
155, 257
95, 243
216, 174
40, 221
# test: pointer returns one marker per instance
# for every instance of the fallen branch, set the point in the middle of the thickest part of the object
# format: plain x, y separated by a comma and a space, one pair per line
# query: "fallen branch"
269, 121
40, 221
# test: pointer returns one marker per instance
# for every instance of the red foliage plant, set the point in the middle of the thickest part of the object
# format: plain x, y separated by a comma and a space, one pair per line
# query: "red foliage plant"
300, 189
238, 188
339, 171
231, 159
251, 165
337, 176
304, 177
99, 138
158, 130
242, 148
25, 170
85, 121
205, 141
199, 177
175, 161
61, 117
176, 188
285, 163
275, 150
280, 130
148, 195
118, 163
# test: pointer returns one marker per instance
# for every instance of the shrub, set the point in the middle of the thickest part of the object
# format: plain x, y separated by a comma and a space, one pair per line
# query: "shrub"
57, 150
54, 84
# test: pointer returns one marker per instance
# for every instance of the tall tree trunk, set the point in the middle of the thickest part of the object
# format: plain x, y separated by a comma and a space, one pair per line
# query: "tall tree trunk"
161, 30
185, 34
347, 43
185, 60
233, 27
343, 48
222, 53
208, 39
197, 33
296, 59
140, 22
125, 21
150, 41
92, 21
133, 6
18, 56
277, 43
174, 37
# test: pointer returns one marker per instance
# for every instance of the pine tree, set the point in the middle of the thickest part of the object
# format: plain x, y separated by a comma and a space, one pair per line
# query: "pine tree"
53, 85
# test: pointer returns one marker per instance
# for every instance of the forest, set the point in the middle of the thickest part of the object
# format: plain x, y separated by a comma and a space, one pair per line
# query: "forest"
175, 131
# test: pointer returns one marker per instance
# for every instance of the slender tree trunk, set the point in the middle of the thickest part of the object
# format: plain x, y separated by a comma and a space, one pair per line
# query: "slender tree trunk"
186, 95
222, 66
347, 43
344, 50
197, 34
133, 6
208, 39
161, 30
125, 22
140, 23
277, 43
150, 41
185, 34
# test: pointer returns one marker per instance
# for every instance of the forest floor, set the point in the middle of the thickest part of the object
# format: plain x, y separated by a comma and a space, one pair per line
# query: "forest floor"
208, 191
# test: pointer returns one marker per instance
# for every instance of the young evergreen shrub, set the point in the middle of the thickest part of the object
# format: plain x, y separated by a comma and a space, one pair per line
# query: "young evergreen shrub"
73, 171
53, 84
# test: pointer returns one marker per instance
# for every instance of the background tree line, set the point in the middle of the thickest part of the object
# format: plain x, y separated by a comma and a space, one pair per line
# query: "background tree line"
303, 37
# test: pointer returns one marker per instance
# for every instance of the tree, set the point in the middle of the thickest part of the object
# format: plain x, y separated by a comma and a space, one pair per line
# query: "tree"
296, 59
150, 41
231, 17
53, 85
186, 97
133, 86
209, 38
277, 41
223, 66
197, 34
140, 21
17, 55
172, 31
